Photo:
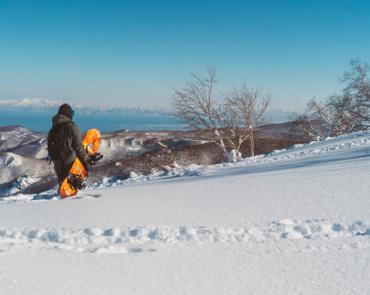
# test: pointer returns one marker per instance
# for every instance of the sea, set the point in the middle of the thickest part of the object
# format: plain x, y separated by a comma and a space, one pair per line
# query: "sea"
40, 121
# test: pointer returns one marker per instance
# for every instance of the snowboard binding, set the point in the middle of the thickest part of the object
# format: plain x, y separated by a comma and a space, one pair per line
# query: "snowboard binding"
76, 182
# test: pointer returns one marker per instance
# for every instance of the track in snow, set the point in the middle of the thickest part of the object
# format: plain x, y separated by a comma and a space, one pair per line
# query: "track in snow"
318, 235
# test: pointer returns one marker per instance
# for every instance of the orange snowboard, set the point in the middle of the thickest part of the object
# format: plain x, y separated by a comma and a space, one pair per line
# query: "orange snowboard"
91, 144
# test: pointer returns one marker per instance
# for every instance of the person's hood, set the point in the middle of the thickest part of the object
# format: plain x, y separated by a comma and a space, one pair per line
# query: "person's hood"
60, 119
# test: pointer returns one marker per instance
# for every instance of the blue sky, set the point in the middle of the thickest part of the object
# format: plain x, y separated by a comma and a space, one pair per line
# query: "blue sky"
135, 52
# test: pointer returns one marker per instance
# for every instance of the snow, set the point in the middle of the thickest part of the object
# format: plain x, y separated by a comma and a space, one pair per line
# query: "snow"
296, 221
142, 238
13, 165
14, 136
22, 141
114, 147
17, 185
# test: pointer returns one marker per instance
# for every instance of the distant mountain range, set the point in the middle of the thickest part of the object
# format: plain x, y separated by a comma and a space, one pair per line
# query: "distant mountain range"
37, 104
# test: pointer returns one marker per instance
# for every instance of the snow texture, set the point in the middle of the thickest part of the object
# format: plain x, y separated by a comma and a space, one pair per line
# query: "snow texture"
142, 238
296, 221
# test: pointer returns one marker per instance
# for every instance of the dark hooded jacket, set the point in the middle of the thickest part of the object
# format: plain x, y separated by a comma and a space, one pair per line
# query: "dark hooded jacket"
74, 141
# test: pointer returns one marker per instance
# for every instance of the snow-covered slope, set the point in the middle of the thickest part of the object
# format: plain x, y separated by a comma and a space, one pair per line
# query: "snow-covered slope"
24, 152
123, 143
13, 166
22, 141
292, 222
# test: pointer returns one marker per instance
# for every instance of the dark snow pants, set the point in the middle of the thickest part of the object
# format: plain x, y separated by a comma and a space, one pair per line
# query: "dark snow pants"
61, 170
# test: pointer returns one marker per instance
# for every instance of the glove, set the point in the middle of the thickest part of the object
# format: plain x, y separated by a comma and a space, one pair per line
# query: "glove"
93, 159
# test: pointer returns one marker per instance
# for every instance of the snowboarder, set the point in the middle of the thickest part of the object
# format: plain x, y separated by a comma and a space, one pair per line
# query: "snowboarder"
65, 143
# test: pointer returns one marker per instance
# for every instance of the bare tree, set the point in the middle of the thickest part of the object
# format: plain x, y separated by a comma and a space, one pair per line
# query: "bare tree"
227, 120
198, 106
318, 122
340, 113
248, 107
358, 89
347, 114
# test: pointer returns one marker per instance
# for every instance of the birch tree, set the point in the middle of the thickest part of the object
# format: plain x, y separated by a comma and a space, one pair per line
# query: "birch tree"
341, 113
248, 106
198, 106
227, 120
